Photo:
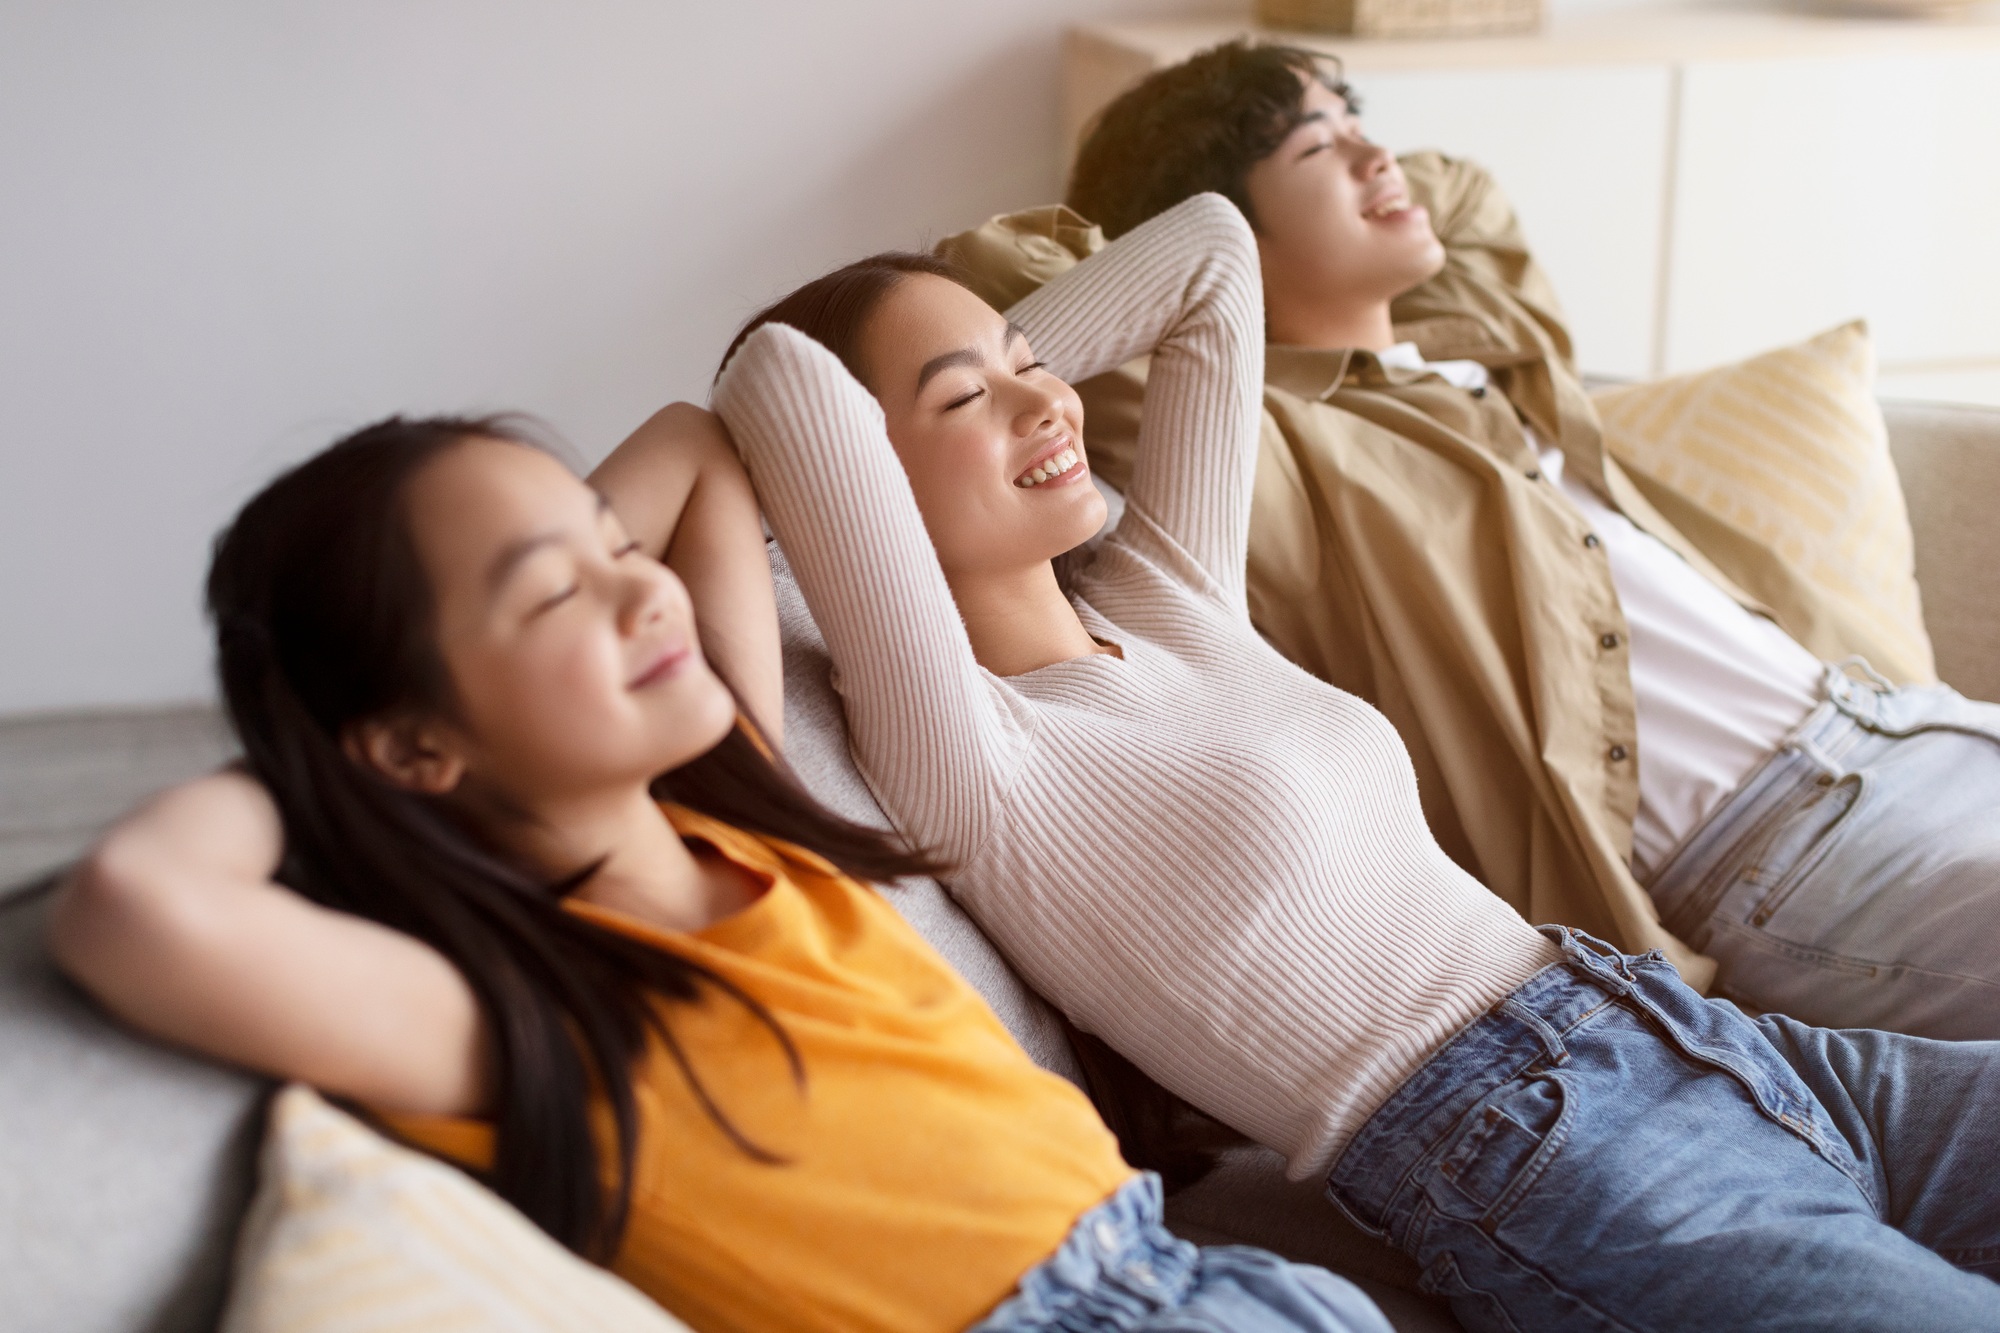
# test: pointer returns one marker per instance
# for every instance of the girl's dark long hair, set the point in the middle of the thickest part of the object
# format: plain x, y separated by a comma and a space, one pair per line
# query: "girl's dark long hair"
324, 618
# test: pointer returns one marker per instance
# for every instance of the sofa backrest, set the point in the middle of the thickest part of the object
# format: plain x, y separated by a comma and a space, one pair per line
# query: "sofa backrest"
1948, 459
127, 1164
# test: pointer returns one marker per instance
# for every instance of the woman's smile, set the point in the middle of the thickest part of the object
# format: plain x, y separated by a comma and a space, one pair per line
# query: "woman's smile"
1056, 463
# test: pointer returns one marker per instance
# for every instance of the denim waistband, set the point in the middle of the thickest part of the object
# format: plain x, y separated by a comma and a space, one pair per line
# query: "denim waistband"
1813, 751
1118, 1263
1522, 1031
1855, 721
1528, 1031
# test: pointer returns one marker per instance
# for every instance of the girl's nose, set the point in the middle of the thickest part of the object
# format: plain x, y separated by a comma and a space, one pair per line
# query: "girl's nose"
642, 595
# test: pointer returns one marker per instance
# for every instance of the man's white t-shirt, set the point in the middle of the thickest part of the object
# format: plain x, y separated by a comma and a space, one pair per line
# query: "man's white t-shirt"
1717, 688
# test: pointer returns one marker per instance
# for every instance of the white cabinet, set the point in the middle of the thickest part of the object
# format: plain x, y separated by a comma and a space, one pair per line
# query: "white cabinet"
1812, 190
1703, 184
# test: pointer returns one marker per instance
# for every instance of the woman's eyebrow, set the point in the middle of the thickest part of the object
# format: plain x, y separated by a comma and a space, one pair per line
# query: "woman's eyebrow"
964, 356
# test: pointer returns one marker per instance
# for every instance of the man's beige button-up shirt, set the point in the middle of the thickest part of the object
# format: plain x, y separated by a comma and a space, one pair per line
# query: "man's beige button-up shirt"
1406, 547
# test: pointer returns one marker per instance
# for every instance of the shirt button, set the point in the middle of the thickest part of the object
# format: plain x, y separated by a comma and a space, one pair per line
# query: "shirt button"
1617, 754
1107, 1235
1609, 641
1534, 474
1590, 540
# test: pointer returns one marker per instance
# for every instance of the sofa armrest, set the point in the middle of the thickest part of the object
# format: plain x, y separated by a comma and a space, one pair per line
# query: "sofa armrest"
1949, 462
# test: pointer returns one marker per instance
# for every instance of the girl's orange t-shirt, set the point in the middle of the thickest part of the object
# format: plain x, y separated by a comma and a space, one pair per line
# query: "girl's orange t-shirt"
927, 1162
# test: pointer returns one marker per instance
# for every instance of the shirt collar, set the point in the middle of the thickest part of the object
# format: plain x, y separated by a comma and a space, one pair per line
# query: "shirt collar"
1467, 375
1309, 372
1318, 372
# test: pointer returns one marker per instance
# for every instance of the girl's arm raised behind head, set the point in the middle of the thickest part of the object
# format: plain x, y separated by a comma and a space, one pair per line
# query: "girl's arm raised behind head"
174, 922
679, 489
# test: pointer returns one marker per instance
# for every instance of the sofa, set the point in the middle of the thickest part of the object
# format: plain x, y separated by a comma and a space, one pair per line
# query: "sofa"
127, 1165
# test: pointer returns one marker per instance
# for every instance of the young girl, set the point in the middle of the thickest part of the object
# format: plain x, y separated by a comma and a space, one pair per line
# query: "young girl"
1219, 864
664, 1018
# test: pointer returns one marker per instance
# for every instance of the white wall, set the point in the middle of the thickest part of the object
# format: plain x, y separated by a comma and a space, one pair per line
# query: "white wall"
230, 231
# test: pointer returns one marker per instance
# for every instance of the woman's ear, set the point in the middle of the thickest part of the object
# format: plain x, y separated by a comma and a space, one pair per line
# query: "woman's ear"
418, 755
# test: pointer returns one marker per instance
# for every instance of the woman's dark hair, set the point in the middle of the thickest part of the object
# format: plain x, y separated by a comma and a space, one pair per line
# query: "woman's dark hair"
833, 310
324, 618
1198, 126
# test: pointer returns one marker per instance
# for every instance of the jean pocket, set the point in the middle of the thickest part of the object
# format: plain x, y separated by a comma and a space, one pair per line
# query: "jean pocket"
1801, 844
1507, 1144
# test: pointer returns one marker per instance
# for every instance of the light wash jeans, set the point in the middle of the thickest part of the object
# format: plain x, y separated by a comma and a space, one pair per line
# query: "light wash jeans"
1854, 880
1122, 1271
1605, 1149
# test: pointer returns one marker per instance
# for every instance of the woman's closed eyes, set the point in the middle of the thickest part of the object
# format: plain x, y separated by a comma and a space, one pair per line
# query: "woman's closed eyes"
973, 395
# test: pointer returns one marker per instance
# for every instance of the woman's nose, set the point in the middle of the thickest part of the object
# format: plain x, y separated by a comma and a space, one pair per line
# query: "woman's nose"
1042, 407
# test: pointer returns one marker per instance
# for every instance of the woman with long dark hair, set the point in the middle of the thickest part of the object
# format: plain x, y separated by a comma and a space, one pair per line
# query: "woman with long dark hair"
505, 862
1219, 864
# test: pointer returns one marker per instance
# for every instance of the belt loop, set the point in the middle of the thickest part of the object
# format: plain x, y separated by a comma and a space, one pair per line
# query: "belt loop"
1593, 958
1554, 1052
1859, 699
1883, 685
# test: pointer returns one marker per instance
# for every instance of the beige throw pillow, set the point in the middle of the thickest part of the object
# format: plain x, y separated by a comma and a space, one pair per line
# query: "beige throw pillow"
1786, 455
350, 1233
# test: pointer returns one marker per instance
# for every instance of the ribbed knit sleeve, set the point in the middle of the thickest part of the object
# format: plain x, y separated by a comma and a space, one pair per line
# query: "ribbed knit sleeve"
1186, 288
930, 731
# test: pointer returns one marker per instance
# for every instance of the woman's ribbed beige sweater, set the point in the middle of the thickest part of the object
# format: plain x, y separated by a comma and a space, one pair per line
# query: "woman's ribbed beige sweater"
1204, 855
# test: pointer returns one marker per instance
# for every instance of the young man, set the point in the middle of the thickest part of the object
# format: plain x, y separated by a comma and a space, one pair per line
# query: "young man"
1591, 704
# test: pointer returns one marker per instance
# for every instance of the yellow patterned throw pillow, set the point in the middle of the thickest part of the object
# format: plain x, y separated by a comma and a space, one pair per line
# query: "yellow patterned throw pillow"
350, 1233
1778, 468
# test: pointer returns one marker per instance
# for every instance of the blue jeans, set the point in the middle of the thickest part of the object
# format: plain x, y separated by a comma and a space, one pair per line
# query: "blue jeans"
1605, 1149
1122, 1271
1854, 880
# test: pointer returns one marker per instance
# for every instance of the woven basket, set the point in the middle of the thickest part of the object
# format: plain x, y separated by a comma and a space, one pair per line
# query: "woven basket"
1403, 18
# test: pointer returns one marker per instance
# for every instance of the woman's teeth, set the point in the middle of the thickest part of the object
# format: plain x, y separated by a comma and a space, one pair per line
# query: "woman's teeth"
1048, 471
1388, 210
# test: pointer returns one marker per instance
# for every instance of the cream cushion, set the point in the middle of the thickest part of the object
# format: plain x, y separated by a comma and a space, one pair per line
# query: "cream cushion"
1787, 452
350, 1233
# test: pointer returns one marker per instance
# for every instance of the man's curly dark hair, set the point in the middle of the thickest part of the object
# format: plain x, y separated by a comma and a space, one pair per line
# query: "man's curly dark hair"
1198, 126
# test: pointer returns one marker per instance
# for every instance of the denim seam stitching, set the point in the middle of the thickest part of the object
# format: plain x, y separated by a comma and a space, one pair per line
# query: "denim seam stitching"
1699, 901
1809, 953
1972, 1256
1406, 1181
1551, 1145
1824, 843
1748, 1078
1512, 1256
